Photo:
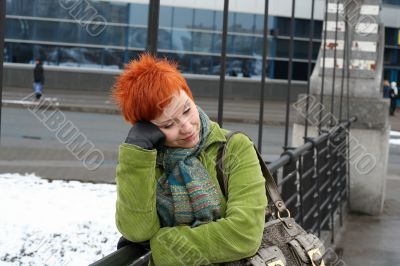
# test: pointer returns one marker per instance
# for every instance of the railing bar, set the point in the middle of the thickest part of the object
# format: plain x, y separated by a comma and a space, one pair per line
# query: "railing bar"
324, 149
307, 173
300, 190
325, 220
263, 76
311, 211
308, 151
330, 189
335, 181
275, 165
348, 107
309, 192
296, 153
336, 149
323, 67
310, 50
321, 138
290, 74
348, 69
323, 186
286, 178
324, 203
222, 63
336, 165
292, 198
345, 54
331, 122
152, 30
314, 227
323, 168
336, 197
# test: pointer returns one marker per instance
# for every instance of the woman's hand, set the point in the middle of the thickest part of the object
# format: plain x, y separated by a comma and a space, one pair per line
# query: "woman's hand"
145, 134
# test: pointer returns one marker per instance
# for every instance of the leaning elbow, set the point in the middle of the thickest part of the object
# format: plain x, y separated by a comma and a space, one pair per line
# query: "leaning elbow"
135, 233
252, 249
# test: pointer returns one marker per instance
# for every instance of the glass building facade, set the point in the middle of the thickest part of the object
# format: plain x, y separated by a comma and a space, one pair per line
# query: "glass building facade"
108, 34
392, 55
392, 49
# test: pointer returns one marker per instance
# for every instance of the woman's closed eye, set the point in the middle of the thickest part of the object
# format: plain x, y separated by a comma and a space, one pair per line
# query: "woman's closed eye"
168, 125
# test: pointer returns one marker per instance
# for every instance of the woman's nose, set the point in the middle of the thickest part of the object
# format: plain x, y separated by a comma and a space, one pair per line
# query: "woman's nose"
186, 126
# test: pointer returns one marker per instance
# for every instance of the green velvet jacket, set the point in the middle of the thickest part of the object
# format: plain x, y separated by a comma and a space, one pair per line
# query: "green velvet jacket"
235, 236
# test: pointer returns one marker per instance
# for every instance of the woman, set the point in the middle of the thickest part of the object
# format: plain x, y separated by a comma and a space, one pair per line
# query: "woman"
167, 188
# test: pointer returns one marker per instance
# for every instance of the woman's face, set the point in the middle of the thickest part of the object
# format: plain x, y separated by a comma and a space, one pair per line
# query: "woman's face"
180, 122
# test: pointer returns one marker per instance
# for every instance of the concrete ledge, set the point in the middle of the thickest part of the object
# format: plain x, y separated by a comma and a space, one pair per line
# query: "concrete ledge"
86, 79
371, 113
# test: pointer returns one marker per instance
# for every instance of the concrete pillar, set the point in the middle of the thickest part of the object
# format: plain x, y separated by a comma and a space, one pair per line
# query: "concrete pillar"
369, 136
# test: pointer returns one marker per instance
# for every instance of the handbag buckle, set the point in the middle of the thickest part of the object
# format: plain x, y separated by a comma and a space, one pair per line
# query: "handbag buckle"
279, 214
276, 263
316, 253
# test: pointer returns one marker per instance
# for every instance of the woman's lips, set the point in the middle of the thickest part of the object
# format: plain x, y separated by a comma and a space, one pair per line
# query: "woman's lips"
190, 137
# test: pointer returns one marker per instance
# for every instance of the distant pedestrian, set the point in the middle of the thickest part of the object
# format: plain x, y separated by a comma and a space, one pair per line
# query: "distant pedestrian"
393, 97
245, 70
386, 89
38, 78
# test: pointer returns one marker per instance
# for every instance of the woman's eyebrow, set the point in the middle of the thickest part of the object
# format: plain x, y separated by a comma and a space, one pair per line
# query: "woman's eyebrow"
170, 120
162, 123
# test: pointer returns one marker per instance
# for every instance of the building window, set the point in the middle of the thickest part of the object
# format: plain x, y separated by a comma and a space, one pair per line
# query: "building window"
392, 2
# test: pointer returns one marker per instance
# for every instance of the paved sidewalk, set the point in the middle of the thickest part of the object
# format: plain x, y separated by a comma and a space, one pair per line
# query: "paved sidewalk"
374, 240
238, 110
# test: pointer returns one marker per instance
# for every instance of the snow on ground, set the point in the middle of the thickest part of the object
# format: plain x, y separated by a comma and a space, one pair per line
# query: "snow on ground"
394, 137
395, 133
55, 223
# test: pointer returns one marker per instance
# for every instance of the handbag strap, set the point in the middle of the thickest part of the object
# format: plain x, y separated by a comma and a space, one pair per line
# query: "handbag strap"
270, 184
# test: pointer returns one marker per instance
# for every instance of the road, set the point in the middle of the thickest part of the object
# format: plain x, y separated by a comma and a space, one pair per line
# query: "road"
28, 145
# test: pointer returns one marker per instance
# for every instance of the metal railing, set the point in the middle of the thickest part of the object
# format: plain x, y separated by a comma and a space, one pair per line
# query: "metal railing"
313, 178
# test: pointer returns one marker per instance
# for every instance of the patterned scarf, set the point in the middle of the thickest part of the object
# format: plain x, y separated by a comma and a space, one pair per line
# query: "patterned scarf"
186, 194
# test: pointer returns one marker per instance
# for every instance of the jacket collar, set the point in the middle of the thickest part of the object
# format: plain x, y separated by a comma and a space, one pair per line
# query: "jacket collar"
217, 134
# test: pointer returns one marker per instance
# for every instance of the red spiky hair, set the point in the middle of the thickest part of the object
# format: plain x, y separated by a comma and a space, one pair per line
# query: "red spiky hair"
146, 86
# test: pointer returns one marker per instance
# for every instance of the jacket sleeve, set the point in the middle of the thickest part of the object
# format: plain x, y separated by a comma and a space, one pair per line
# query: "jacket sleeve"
136, 214
238, 234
